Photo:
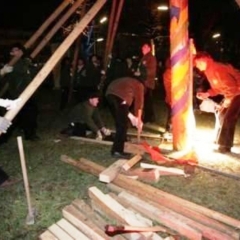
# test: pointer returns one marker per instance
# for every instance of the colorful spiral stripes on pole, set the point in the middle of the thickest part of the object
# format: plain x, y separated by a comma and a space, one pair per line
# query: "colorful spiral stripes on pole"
181, 85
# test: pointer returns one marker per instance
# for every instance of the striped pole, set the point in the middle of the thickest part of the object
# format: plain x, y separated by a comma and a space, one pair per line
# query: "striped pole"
181, 87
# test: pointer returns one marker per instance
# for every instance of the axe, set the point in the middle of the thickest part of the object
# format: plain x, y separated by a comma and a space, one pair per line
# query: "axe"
115, 229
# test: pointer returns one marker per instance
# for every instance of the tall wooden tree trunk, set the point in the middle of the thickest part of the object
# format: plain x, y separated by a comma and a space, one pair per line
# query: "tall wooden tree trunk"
181, 87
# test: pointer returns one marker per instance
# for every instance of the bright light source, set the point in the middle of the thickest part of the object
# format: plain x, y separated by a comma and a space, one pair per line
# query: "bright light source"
104, 19
99, 39
216, 35
162, 8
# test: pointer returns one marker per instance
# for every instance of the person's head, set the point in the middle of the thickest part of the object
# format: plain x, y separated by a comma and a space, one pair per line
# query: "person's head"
146, 48
201, 60
94, 99
17, 50
80, 62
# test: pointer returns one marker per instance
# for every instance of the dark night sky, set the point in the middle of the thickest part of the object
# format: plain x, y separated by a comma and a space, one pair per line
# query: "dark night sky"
205, 16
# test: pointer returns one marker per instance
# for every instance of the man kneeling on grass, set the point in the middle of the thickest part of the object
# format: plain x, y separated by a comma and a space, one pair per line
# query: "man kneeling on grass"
85, 117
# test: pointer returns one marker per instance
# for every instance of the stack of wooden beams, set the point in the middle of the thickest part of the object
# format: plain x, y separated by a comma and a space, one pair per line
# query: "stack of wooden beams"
91, 221
133, 203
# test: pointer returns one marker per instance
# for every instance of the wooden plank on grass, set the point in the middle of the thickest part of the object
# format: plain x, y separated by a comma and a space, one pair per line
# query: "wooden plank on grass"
47, 235
134, 148
147, 175
90, 140
160, 216
59, 232
84, 224
131, 162
159, 211
117, 211
154, 127
112, 171
71, 230
152, 193
144, 135
163, 170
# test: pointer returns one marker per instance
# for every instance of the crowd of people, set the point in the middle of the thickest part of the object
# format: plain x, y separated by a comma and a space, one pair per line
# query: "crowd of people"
127, 88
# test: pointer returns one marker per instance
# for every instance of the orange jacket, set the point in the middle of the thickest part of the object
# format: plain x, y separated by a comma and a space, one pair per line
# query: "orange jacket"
224, 80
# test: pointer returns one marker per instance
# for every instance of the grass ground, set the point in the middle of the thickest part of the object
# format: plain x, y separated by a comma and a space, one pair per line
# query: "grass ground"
55, 184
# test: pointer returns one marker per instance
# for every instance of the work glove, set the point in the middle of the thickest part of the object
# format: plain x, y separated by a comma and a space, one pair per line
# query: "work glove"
99, 135
9, 104
4, 124
105, 131
135, 121
6, 69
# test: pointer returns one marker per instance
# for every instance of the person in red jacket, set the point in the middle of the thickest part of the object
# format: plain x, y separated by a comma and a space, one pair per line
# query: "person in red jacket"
121, 94
146, 72
224, 80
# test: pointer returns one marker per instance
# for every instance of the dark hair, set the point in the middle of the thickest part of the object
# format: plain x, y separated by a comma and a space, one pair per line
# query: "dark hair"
94, 94
19, 46
202, 55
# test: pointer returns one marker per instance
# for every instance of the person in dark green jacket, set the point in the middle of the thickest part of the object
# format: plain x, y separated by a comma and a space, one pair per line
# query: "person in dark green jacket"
85, 117
18, 80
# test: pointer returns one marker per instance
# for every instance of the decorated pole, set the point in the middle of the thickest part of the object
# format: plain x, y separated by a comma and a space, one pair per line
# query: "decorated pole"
181, 87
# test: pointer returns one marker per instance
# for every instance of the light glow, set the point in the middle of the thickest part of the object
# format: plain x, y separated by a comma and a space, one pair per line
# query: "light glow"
216, 35
162, 8
99, 39
102, 20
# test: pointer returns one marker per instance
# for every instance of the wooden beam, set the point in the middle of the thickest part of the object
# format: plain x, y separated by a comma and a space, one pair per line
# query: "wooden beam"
57, 26
88, 211
164, 214
71, 230
43, 73
151, 193
185, 212
47, 235
59, 232
146, 175
172, 222
131, 162
154, 127
144, 135
163, 170
112, 171
128, 147
80, 221
117, 211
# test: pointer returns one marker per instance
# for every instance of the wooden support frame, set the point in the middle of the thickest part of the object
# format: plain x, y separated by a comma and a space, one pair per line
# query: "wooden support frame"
43, 73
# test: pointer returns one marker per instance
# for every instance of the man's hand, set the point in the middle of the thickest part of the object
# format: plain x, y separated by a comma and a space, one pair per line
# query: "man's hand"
99, 135
135, 122
6, 69
105, 131
9, 104
203, 95
4, 124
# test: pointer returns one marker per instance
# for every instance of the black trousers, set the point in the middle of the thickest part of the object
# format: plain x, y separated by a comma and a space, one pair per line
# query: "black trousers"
148, 110
3, 176
120, 114
27, 119
227, 120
